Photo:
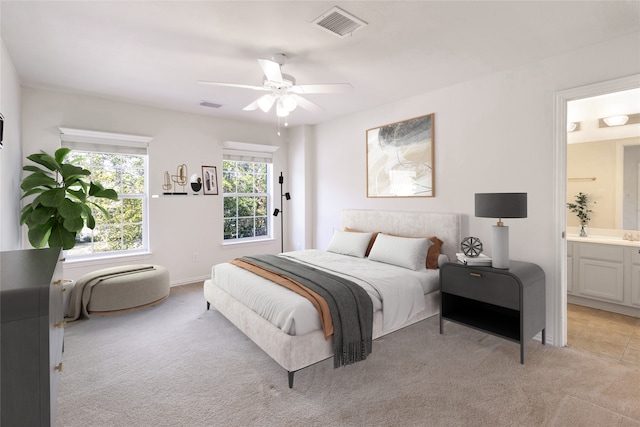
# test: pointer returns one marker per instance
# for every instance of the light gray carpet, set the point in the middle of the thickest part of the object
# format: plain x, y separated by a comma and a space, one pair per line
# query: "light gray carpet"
177, 364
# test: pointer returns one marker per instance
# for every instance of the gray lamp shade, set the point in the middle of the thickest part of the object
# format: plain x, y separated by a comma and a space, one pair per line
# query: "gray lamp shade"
501, 205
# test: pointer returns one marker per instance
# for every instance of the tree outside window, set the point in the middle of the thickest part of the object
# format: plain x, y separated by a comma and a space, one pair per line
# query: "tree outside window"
124, 229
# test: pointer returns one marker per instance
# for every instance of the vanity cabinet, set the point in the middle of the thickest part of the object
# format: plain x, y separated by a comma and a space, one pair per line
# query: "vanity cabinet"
32, 316
605, 276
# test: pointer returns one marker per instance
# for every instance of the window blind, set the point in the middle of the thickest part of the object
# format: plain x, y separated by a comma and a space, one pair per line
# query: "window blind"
245, 152
103, 142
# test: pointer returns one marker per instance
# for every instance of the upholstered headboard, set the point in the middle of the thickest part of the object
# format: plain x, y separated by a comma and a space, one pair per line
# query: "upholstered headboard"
444, 225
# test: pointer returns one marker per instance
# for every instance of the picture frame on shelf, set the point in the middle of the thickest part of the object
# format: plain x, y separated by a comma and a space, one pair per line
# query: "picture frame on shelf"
400, 160
209, 180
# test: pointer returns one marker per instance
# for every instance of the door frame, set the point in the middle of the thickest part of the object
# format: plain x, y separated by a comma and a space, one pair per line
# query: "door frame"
560, 100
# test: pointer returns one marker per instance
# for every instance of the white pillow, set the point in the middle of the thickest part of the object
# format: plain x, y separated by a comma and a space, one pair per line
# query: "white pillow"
349, 243
407, 252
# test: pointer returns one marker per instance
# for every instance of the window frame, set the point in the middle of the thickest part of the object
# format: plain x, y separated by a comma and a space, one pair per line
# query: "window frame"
115, 144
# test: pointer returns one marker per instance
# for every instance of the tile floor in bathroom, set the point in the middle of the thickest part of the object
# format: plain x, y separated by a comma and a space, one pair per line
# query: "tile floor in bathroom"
605, 333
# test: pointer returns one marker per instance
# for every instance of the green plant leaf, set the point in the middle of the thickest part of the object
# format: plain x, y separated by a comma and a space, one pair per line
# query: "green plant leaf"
41, 214
72, 171
69, 209
26, 211
32, 168
38, 179
74, 224
91, 221
98, 190
61, 153
61, 237
32, 191
38, 236
88, 216
45, 160
103, 210
53, 198
78, 194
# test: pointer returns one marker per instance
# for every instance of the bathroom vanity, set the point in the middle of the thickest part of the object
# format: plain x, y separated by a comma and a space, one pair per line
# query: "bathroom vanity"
604, 272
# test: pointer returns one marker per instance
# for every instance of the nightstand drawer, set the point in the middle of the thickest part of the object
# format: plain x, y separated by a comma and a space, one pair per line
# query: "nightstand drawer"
486, 286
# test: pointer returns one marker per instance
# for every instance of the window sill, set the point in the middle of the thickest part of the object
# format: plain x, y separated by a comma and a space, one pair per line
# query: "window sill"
106, 259
268, 240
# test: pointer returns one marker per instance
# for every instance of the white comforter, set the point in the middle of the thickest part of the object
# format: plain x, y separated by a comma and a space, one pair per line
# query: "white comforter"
397, 291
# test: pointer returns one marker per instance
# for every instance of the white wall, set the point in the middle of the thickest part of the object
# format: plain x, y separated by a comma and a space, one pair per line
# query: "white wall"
10, 154
493, 134
179, 225
299, 223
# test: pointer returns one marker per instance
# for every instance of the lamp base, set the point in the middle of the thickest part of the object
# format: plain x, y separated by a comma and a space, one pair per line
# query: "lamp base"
500, 245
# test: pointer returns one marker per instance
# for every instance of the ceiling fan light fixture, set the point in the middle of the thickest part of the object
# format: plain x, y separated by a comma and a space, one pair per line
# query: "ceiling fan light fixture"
616, 120
281, 111
289, 102
266, 102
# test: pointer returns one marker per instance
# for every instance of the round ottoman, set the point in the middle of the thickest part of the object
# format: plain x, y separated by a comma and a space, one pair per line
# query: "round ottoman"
130, 286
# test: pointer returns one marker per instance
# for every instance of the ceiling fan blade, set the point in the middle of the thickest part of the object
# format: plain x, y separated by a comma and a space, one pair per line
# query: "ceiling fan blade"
233, 85
308, 105
252, 106
323, 88
271, 70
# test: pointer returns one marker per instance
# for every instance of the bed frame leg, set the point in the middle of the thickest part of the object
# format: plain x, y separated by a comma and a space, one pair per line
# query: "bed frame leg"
291, 378
208, 305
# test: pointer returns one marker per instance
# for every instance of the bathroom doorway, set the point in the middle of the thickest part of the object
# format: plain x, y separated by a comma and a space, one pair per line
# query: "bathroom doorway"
561, 100
595, 165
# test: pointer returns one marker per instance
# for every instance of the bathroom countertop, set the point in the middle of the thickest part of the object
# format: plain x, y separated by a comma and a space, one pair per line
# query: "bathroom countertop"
604, 240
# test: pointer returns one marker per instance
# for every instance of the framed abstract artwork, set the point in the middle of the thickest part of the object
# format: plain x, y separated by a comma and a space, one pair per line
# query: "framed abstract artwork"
400, 161
209, 180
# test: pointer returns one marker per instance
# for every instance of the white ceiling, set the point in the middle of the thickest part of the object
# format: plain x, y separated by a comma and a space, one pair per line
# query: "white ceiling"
153, 53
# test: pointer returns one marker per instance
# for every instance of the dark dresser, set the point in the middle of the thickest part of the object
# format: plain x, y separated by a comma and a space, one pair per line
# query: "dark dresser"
32, 317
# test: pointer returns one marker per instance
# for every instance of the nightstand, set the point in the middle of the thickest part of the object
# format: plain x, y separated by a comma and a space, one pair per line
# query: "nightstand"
506, 303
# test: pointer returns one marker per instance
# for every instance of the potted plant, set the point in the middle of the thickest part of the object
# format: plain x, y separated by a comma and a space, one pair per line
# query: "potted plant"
64, 197
582, 211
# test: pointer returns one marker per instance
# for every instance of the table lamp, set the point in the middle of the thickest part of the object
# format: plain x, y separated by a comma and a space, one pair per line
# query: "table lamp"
500, 205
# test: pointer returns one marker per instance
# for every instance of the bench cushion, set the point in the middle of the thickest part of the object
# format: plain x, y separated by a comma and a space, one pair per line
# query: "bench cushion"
118, 288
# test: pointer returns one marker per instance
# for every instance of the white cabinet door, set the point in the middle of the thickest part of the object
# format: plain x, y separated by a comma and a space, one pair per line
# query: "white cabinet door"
570, 286
602, 279
635, 285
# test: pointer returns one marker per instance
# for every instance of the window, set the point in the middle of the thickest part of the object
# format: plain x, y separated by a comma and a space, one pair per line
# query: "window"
247, 190
246, 199
118, 162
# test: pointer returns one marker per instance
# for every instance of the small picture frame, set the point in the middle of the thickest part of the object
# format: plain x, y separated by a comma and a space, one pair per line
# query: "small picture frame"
209, 180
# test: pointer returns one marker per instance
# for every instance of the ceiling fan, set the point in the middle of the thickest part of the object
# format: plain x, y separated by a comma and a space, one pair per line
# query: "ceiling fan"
283, 90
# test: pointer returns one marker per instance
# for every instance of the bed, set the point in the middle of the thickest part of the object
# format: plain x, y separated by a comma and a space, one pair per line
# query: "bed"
297, 344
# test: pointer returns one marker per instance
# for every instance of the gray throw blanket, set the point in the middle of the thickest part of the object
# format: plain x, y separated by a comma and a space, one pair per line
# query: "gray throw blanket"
350, 305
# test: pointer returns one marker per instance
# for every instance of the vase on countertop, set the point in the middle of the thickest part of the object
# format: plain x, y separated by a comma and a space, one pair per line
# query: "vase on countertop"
584, 229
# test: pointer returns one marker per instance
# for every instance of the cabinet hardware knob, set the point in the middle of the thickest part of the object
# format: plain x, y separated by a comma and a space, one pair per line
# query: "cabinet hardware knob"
58, 367
60, 323
57, 282
475, 274
63, 259
63, 290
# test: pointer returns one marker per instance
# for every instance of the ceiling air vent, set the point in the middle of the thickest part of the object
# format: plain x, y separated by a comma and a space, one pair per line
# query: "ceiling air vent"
338, 22
210, 104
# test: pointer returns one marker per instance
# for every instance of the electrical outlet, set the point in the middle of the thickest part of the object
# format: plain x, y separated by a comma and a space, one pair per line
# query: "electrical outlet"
195, 257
